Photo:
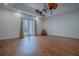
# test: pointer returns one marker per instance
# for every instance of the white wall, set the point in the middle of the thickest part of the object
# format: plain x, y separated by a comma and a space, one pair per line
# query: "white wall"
9, 24
63, 25
38, 25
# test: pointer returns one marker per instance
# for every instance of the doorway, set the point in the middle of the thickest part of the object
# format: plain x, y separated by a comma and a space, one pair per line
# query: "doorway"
29, 27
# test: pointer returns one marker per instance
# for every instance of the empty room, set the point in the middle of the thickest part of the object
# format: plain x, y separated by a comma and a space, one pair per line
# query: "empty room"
39, 29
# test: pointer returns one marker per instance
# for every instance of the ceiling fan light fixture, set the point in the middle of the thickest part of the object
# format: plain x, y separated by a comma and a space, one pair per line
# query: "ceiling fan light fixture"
47, 7
52, 5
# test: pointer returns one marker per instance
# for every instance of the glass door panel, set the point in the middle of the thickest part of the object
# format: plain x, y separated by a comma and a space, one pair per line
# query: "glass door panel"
29, 27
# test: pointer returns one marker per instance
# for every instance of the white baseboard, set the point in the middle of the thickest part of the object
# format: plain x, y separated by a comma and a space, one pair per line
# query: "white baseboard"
65, 36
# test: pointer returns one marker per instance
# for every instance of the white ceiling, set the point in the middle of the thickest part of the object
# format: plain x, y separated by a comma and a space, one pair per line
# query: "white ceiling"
35, 5
30, 7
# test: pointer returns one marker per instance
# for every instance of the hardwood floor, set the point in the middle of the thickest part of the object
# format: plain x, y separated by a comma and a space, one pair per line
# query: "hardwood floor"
40, 46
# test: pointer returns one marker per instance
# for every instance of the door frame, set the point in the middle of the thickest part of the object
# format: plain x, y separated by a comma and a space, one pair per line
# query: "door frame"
21, 35
21, 28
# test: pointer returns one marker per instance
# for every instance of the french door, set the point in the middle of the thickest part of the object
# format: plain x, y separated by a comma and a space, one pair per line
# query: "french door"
29, 27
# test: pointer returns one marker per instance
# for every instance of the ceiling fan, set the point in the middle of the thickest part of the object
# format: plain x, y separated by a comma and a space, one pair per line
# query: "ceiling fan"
40, 12
47, 7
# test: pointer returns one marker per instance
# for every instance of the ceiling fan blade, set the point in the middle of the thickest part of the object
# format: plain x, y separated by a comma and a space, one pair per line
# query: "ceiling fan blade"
38, 11
42, 15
